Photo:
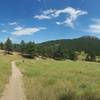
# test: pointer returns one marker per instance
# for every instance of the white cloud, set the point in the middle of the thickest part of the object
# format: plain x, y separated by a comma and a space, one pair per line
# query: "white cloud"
27, 31
47, 14
13, 23
50, 11
71, 15
58, 23
40, 17
95, 27
18, 28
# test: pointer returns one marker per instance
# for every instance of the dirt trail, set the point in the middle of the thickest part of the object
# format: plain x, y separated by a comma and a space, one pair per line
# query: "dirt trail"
14, 89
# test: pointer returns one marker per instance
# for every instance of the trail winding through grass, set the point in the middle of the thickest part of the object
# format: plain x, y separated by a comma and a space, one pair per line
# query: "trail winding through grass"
14, 89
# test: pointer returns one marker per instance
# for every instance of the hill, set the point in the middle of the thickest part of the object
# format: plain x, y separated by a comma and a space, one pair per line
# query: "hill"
85, 43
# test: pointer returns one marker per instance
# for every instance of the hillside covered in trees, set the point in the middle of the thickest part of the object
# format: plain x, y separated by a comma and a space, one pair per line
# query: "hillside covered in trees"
86, 47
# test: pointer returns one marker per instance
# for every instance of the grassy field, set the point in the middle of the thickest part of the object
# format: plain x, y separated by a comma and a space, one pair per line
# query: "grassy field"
54, 80
61, 80
5, 68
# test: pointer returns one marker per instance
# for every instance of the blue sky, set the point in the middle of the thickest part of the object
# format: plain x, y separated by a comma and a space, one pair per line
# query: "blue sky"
43, 20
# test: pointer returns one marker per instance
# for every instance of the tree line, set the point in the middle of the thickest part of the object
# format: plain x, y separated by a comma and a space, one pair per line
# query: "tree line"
58, 50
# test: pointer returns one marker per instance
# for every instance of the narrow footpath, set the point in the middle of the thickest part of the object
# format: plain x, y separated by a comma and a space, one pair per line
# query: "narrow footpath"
14, 89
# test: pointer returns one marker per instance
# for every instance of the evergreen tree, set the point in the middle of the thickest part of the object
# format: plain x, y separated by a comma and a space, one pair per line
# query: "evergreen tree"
1, 46
27, 49
30, 51
73, 55
8, 46
16, 47
60, 53
22, 47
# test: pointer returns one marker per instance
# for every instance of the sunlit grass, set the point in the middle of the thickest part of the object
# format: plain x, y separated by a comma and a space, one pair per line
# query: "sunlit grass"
61, 80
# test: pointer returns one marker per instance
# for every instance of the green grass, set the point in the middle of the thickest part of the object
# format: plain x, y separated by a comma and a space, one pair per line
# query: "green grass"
61, 80
5, 68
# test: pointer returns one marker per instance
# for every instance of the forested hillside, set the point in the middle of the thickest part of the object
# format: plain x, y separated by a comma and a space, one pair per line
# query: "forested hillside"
86, 48
85, 43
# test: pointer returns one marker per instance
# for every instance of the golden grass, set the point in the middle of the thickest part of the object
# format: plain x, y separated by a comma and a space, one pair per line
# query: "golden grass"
61, 80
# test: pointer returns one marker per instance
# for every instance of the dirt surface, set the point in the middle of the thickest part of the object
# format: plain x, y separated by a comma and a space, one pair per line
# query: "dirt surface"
14, 89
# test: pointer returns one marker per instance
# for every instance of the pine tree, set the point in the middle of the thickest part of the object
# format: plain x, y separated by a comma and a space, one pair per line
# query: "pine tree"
22, 47
1, 46
8, 46
30, 51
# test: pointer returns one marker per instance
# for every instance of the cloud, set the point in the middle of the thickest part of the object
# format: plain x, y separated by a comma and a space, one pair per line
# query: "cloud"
95, 27
40, 17
26, 31
50, 11
45, 14
71, 15
18, 28
58, 23
13, 23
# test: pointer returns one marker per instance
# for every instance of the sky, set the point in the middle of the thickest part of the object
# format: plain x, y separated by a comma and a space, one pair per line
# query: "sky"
44, 20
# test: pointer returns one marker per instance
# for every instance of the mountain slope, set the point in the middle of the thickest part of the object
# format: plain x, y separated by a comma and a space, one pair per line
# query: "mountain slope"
85, 43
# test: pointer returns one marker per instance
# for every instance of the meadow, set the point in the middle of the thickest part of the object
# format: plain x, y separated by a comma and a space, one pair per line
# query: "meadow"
5, 68
54, 80
60, 80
